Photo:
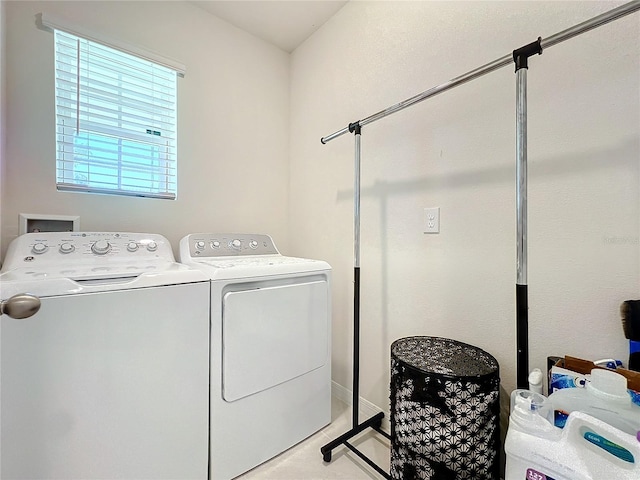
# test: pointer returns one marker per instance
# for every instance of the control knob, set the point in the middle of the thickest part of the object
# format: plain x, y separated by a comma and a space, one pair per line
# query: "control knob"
101, 247
235, 244
215, 244
152, 246
253, 244
200, 245
132, 246
39, 248
67, 247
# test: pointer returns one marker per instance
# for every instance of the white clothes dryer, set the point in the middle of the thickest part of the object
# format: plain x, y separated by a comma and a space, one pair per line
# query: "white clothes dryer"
270, 348
109, 379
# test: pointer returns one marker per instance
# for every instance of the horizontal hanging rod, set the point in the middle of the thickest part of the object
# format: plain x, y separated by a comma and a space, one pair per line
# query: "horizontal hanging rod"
583, 27
595, 22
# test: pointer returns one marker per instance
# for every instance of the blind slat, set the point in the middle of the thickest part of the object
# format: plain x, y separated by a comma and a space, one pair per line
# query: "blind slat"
121, 120
105, 91
159, 95
99, 129
71, 187
72, 140
69, 62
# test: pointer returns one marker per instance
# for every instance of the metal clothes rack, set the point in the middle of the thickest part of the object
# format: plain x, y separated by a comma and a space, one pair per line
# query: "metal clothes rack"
520, 57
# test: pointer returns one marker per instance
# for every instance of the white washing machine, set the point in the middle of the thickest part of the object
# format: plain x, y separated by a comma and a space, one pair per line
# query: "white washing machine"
270, 348
110, 378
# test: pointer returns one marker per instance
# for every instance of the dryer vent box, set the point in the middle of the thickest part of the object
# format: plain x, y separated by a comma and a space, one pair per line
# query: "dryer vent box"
30, 223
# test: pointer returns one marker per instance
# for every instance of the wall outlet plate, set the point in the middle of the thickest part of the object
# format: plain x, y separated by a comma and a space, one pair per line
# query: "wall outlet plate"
432, 220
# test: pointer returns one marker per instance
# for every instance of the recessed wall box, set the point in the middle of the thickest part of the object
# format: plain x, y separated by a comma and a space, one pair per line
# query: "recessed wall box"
30, 222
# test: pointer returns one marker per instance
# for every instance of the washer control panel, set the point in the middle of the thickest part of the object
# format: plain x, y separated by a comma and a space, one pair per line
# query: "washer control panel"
56, 248
226, 245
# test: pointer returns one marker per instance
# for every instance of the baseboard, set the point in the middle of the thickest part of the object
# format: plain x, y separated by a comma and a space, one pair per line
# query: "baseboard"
366, 409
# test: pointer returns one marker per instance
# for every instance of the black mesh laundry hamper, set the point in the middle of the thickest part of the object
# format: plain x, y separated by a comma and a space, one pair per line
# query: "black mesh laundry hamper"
445, 411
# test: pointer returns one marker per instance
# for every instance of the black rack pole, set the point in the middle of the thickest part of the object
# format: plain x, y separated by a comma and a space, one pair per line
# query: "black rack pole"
521, 59
374, 422
356, 129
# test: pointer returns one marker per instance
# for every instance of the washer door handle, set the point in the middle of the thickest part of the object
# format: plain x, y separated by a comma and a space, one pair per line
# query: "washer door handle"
20, 306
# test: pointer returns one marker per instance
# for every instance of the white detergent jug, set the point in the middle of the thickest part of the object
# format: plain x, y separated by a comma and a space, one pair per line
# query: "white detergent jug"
604, 397
586, 449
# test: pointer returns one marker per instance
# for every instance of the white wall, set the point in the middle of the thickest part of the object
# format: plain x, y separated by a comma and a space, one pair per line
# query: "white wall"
457, 151
233, 120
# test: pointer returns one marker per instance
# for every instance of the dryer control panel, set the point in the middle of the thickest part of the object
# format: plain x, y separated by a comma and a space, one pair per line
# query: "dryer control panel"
226, 245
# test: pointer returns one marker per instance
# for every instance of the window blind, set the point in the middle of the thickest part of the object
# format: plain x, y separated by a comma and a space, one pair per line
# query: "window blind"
116, 128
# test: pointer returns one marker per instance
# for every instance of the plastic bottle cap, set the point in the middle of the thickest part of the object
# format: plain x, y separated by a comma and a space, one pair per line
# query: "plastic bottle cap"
608, 385
535, 377
535, 380
531, 410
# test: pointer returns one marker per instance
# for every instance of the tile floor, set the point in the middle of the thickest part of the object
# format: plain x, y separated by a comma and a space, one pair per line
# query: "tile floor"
304, 461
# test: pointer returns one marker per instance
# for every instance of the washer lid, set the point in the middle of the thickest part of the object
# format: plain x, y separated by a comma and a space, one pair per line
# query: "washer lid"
48, 283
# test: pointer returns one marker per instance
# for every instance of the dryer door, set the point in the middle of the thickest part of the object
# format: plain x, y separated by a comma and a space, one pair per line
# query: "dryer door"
272, 335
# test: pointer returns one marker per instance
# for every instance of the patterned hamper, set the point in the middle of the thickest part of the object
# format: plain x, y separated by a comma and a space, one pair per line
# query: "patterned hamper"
445, 411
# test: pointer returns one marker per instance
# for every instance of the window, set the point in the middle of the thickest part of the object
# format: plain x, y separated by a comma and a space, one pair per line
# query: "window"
115, 121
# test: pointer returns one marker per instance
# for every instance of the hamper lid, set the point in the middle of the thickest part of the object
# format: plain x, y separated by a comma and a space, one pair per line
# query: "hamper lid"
444, 356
